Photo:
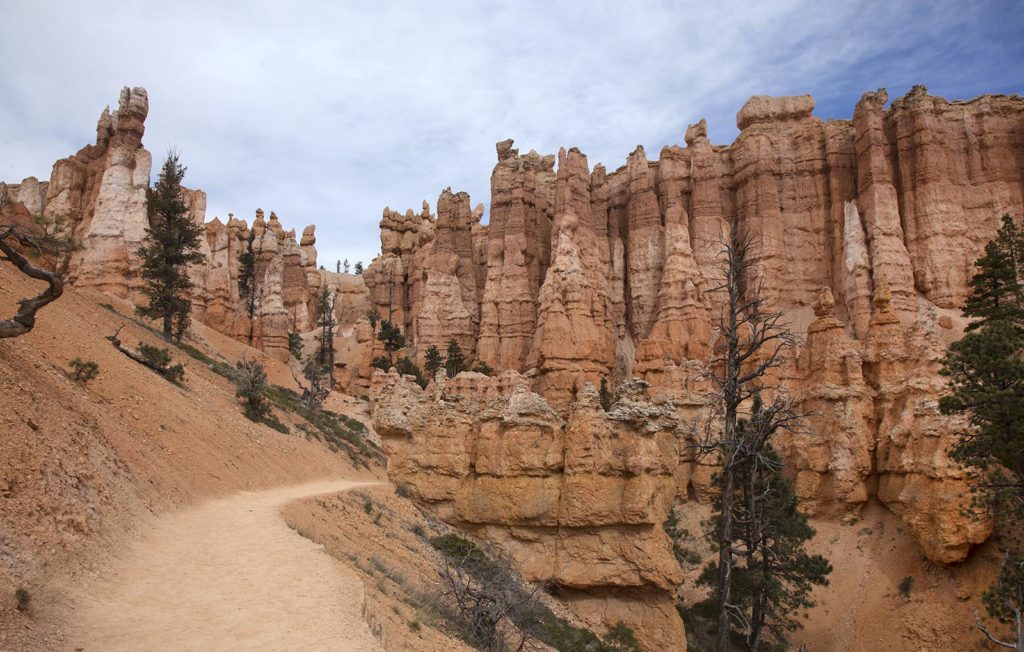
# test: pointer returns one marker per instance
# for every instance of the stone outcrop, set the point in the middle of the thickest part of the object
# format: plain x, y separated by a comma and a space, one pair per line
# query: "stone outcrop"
590, 273
98, 196
578, 503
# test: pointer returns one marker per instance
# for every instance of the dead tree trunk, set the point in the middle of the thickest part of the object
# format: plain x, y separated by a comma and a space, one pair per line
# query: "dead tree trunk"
24, 319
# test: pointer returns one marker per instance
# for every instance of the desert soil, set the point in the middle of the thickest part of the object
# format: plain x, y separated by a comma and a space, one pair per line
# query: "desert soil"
228, 574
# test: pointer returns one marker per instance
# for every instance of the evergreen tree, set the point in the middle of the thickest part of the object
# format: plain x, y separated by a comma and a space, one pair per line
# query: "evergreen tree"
373, 317
173, 244
325, 319
455, 362
433, 361
407, 367
771, 584
345, 265
247, 286
392, 338
985, 371
997, 290
359, 268
606, 396
337, 266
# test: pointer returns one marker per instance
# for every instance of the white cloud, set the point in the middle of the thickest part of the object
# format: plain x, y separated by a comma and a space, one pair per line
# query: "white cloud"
326, 112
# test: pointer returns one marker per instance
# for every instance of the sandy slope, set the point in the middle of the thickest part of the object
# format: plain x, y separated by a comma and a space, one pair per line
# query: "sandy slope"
225, 575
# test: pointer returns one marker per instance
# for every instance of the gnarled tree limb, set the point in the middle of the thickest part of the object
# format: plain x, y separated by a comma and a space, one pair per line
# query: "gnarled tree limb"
24, 319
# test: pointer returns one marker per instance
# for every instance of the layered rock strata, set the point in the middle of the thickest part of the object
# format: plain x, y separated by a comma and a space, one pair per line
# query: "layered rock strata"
865, 235
578, 503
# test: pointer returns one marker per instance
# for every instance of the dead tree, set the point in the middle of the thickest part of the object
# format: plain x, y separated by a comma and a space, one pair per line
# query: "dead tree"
750, 350
24, 319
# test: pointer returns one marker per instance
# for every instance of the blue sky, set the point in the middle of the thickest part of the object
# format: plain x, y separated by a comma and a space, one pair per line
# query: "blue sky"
325, 112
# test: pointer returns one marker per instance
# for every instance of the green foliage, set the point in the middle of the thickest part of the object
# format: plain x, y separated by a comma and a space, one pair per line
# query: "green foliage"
248, 287
455, 361
22, 599
359, 268
985, 372
82, 371
772, 586
161, 360
251, 387
316, 375
906, 584
1006, 596
173, 244
391, 337
338, 431
997, 290
606, 396
407, 367
381, 362
373, 317
295, 345
433, 361
402, 490
482, 367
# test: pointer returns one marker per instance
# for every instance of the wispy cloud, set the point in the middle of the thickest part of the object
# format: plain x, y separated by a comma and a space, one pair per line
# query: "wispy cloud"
325, 113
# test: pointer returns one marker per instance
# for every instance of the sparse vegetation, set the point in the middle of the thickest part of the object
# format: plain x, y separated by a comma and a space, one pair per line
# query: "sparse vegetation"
22, 599
82, 371
392, 339
251, 386
402, 490
482, 595
407, 367
160, 360
482, 367
295, 345
905, 585
606, 396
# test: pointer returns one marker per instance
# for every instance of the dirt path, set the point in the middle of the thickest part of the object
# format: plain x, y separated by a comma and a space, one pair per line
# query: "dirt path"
226, 575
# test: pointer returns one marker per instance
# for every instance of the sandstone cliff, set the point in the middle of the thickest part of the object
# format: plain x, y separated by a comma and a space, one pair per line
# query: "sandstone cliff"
578, 503
867, 230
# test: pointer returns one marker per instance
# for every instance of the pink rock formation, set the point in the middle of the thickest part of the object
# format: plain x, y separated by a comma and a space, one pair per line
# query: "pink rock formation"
579, 504
615, 274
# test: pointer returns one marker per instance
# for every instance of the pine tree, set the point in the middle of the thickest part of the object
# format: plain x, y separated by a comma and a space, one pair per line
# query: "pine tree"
455, 361
771, 585
173, 244
433, 361
359, 268
392, 339
247, 286
985, 371
325, 318
345, 265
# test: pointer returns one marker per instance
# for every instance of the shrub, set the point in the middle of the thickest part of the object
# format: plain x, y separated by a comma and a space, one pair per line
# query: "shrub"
483, 368
403, 490
905, 585
160, 359
251, 387
22, 599
606, 396
82, 371
407, 367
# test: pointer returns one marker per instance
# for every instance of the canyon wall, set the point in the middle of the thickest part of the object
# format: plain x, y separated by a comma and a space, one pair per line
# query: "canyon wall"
579, 503
866, 231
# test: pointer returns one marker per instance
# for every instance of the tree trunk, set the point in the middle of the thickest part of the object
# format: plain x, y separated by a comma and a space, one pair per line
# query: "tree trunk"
24, 319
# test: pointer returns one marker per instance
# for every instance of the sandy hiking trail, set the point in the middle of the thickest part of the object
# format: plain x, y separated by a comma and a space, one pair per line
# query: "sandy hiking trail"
225, 575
